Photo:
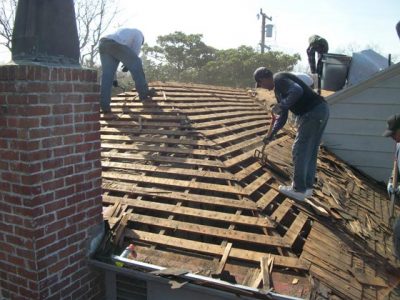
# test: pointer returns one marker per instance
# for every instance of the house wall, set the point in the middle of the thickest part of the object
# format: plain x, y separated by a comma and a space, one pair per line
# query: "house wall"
358, 119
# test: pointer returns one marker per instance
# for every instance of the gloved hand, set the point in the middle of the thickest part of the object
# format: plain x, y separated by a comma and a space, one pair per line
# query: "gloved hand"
268, 139
277, 110
124, 69
391, 189
115, 83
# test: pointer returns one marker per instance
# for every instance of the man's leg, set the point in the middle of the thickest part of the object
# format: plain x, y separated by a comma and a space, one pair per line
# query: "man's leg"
134, 65
109, 66
321, 115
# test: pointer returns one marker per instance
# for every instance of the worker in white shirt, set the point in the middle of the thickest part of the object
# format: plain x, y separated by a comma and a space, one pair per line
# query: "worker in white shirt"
122, 46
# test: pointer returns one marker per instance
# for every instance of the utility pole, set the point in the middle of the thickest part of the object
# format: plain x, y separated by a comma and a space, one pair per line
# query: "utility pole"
263, 17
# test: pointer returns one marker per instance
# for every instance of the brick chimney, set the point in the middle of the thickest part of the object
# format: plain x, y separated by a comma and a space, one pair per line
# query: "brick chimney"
50, 181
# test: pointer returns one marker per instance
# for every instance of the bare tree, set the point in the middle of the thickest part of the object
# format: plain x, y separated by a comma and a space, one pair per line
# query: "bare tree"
7, 16
93, 18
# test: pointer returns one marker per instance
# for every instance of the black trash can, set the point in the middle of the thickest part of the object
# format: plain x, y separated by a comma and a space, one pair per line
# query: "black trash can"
334, 71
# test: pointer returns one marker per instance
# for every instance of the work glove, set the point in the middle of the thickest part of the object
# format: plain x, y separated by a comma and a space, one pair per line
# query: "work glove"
115, 83
391, 189
124, 69
277, 110
268, 139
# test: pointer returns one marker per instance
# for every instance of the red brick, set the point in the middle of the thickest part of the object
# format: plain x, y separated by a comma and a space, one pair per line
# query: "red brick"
38, 110
69, 289
53, 185
72, 98
79, 108
24, 232
25, 253
11, 177
62, 87
83, 167
46, 241
55, 226
78, 237
66, 232
62, 172
39, 133
16, 261
5, 187
83, 148
44, 219
47, 261
72, 268
78, 118
94, 155
60, 244
62, 109
93, 175
24, 145
42, 154
55, 205
28, 211
60, 265
13, 219
53, 163
66, 212
65, 192
75, 179
49, 99
13, 200
92, 98
73, 159
63, 151
73, 139
76, 198
9, 133
63, 130
92, 117
94, 136
27, 274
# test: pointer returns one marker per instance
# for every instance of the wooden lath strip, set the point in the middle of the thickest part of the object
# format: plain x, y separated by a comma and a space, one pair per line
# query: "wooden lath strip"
256, 184
230, 129
145, 116
135, 147
156, 140
267, 199
168, 170
232, 235
194, 212
129, 130
295, 228
281, 211
164, 194
218, 250
240, 146
225, 116
226, 122
165, 159
152, 180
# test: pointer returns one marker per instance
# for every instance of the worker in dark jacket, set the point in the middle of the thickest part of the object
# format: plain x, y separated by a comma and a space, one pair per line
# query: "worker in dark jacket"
319, 45
393, 131
398, 29
312, 114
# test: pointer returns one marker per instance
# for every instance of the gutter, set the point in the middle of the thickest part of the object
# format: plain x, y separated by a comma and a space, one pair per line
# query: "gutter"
214, 286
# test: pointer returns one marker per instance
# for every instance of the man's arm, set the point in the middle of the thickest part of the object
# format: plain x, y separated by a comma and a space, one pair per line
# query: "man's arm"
311, 59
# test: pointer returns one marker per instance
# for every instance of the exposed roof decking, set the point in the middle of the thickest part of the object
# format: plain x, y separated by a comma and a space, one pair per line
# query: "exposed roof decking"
182, 168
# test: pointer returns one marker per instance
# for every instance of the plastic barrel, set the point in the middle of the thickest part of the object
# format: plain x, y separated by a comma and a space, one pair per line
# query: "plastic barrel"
334, 71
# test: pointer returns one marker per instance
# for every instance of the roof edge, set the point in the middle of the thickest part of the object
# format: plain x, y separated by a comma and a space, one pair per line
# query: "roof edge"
347, 92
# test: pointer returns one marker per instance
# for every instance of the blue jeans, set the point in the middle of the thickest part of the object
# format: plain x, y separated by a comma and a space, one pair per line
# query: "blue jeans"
111, 54
306, 145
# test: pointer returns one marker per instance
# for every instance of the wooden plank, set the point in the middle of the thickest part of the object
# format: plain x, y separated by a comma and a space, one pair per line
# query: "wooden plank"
267, 199
224, 258
232, 235
131, 147
194, 212
135, 131
156, 140
152, 180
294, 230
256, 184
202, 117
281, 211
241, 254
254, 167
226, 122
240, 146
230, 129
145, 116
241, 135
165, 159
167, 170
165, 194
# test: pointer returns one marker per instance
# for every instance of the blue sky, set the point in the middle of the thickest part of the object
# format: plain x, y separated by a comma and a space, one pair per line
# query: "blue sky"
231, 23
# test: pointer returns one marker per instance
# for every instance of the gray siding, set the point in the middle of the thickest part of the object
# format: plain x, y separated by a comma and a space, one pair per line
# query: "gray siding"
358, 119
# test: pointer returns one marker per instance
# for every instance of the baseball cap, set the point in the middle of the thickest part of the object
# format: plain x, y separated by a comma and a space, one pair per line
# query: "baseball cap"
393, 123
260, 73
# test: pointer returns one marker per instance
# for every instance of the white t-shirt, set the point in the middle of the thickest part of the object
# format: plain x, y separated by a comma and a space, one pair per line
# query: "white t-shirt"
133, 38
307, 79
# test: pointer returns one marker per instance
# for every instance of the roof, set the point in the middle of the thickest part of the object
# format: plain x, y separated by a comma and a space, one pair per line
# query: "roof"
388, 73
181, 183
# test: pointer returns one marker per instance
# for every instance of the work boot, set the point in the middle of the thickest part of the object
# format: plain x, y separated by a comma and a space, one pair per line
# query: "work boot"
150, 94
289, 191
